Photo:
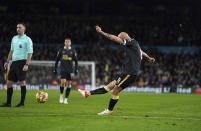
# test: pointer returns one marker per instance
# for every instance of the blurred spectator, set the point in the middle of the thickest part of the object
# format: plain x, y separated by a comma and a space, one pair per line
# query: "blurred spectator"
170, 26
169, 69
150, 25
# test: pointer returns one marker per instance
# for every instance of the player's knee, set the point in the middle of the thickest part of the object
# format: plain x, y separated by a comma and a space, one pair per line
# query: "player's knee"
68, 84
9, 84
22, 83
63, 82
115, 92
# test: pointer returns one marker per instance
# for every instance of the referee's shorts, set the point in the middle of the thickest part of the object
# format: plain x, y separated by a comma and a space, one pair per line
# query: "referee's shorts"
125, 80
16, 72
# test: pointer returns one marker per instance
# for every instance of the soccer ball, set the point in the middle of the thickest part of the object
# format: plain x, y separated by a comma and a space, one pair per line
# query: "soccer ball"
41, 96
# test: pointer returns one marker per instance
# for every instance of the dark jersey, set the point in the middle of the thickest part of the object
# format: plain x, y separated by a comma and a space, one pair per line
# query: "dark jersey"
66, 57
132, 60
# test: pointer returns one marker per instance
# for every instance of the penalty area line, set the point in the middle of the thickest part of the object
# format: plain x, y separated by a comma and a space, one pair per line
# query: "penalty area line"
117, 116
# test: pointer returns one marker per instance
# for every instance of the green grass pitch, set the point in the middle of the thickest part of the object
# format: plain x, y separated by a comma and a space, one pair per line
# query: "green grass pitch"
133, 112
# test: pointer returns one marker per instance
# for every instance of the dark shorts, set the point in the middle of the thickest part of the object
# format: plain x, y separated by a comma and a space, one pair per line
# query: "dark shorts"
16, 72
66, 75
124, 80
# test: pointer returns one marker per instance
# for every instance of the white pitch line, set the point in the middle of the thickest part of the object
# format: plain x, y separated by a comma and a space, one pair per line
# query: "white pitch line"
134, 117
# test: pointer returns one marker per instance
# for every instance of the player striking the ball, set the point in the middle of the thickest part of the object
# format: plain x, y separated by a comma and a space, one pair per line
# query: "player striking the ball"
128, 72
66, 56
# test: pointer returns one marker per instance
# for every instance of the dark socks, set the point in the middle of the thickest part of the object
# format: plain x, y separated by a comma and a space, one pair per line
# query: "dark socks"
9, 95
67, 92
99, 91
61, 90
23, 94
112, 103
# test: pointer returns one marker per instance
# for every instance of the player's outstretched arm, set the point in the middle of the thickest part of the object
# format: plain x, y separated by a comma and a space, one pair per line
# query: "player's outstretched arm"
150, 59
109, 36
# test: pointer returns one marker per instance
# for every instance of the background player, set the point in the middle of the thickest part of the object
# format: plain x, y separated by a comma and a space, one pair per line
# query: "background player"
66, 56
21, 52
129, 69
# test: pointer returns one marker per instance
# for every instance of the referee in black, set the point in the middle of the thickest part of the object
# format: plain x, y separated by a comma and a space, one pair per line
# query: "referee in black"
21, 52
128, 72
66, 55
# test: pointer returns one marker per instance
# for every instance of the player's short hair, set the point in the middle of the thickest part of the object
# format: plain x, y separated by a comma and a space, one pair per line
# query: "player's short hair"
22, 23
67, 38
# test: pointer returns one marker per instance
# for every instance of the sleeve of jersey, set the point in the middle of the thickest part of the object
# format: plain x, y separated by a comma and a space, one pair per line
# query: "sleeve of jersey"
126, 42
29, 46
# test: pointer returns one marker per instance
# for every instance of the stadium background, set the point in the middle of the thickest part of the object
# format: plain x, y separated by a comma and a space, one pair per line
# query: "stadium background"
167, 30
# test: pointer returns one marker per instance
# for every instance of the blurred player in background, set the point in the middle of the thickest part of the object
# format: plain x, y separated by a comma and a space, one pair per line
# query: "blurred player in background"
1, 67
128, 72
21, 52
66, 56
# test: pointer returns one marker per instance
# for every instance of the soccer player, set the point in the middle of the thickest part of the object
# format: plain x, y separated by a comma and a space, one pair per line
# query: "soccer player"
128, 72
66, 56
21, 52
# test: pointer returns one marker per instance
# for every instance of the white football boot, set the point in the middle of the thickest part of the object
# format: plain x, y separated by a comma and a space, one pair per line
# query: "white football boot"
105, 112
65, 101
84, 93
61, 100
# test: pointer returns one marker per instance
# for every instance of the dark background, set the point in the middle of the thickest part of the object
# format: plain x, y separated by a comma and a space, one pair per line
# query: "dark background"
151, 22
172, 23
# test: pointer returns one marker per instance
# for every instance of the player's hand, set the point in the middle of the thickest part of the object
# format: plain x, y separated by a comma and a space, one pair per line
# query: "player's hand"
55, 71
76, 72
6, 65
151, 60
25, 68
98, 29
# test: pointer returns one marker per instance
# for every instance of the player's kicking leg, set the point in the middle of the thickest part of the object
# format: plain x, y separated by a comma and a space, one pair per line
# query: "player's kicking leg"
113, 101
102, 90
122, 82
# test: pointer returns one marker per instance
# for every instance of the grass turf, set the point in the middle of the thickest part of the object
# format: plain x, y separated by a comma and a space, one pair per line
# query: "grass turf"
133, 112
